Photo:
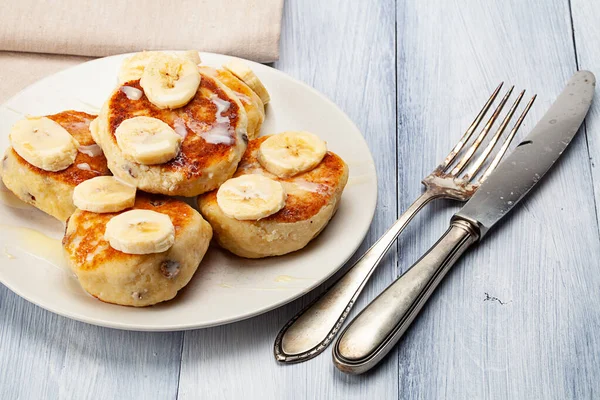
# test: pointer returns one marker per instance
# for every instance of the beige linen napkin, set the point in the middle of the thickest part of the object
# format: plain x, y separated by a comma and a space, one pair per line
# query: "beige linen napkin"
20, 70
244, 28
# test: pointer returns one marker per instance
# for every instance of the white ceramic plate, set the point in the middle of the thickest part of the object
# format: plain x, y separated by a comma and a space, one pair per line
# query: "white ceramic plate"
225, 288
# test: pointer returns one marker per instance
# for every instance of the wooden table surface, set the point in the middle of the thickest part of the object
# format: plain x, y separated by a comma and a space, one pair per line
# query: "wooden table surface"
517, 318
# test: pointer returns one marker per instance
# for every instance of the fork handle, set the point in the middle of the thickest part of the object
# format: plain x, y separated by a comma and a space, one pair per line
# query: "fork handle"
375, 331
310, 331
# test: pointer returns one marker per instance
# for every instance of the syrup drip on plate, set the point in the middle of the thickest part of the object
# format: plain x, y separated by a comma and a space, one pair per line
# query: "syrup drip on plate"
38, 245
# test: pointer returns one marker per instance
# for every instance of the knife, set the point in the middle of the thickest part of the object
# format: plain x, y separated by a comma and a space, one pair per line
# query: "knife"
375, 331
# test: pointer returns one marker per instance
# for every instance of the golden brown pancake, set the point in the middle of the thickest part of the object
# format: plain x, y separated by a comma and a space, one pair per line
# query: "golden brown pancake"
312, 199
209, 152
52, 192
255, 109
136, 279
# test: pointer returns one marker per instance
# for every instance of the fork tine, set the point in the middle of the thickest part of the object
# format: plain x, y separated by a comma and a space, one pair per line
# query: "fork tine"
467, 135
474, 168
471, 151
506, 143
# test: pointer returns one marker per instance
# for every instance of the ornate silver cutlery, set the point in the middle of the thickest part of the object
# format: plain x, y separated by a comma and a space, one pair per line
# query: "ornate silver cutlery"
371, 335
308, 333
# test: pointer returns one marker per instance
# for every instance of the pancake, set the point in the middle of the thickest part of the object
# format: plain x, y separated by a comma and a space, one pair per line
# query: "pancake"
136, 279
52, 192
312, 199
210, 151
255, 109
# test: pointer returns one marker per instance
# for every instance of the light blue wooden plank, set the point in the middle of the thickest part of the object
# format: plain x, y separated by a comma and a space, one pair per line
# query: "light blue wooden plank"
586, 33
45, 356
538, 262
541, 263
346, 51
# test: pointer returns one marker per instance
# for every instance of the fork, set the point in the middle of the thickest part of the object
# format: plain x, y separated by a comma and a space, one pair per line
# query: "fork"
310, 331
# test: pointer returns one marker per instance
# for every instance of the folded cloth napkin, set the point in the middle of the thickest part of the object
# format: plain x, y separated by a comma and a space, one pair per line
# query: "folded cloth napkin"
244, 28
20, 70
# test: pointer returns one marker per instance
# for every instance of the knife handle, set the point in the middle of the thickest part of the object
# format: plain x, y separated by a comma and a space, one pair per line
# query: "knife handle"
375, 331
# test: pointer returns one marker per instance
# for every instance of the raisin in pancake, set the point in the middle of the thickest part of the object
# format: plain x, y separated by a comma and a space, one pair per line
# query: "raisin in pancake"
312, 199
52, 192
136, 279
255, 109
213, 124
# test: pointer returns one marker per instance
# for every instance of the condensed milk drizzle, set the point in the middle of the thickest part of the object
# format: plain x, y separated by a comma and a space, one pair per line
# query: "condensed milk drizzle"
179, 127
132, 93
243, 97
92, 150
220, 131
86, 167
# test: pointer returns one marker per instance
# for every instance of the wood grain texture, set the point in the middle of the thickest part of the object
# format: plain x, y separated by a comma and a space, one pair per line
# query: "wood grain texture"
516, 317
45, 356
586, 34
346, 51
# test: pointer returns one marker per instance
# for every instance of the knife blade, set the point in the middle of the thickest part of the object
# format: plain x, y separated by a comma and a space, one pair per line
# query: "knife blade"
533, 157
374, 332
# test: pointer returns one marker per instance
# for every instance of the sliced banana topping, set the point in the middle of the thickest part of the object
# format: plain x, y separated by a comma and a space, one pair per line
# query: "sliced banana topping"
133, 67
140, 232
243, 71
44, 143
192, 55
251, 197
147, 140
170, 81
103, 194
290, 153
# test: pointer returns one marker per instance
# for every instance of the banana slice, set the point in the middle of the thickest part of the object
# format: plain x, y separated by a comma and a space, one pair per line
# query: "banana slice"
289, 153
140, 232
251, 197
244, 72
103, 194
44, 143
192, 55
147, 140
170, 81
133, 67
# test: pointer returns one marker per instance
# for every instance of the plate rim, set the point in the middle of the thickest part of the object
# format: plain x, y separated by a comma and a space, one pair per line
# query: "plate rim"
272, 306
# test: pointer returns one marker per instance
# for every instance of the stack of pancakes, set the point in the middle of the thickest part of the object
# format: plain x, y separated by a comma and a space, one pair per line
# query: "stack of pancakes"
219, 128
